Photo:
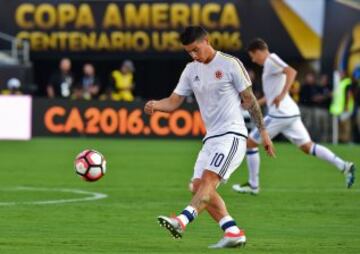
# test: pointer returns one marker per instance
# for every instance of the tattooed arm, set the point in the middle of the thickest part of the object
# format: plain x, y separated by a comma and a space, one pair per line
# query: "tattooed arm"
250, 104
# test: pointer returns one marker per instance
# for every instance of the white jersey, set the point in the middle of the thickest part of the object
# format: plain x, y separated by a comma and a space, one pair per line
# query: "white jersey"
216, 86
273, 82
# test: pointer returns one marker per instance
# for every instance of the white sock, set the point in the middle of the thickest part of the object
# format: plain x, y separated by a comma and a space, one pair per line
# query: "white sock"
324, 153
187, 216
253, 163
229, 225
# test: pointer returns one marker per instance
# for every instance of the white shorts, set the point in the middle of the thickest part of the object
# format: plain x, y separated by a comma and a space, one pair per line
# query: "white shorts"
292, 128
221, 155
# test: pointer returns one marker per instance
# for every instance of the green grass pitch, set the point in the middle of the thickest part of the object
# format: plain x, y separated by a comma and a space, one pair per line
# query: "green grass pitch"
304, 206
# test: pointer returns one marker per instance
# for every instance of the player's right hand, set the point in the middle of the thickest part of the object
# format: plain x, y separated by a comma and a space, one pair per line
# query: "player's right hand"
149, 107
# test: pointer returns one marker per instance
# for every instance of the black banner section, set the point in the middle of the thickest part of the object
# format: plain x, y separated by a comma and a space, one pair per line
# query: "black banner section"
341, 47
112, 119
140, 29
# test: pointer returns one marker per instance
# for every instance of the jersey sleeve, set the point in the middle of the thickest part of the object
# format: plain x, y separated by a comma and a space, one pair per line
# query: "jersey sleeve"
277, 65
183, 87
241, 79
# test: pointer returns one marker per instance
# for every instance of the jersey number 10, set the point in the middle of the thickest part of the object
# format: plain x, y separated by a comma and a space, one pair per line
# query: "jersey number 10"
217, 160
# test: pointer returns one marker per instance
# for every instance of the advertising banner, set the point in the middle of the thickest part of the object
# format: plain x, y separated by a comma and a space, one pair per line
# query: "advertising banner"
121, 26
342, 35
15, 115
147, 28
112, 119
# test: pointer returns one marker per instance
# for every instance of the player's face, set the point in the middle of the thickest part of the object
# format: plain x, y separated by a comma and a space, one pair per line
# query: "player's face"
257, 57
197, 50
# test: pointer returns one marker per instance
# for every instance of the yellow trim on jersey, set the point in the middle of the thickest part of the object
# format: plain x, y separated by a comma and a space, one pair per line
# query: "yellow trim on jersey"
241, 67
306, 40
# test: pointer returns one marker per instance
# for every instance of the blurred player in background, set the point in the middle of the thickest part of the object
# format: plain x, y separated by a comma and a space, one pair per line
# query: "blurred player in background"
220, 84
283, 117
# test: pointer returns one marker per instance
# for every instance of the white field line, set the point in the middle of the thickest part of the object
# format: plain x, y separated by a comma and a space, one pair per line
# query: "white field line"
90, 196
311, 190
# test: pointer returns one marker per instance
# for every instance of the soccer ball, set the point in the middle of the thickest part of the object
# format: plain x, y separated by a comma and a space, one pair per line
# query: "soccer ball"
90, 165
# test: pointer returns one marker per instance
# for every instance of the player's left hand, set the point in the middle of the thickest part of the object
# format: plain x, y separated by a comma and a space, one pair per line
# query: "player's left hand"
268, 144
278, 99
149, 107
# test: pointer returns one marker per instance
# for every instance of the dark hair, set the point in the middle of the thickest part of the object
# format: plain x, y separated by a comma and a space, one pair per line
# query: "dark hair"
257, 44
191, 34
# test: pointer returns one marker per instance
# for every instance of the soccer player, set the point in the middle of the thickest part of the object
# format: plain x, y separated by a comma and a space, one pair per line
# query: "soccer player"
283, 117
220, 85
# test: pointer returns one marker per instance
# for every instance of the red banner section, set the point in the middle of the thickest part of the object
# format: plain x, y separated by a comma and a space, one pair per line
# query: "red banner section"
114, 119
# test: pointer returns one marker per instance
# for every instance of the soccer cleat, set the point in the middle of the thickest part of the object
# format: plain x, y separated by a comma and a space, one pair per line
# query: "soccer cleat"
230, 241
173, 225
349, 173
246, 189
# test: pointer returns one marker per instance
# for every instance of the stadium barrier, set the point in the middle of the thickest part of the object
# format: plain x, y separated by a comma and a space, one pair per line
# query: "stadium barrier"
57, 117
15, 117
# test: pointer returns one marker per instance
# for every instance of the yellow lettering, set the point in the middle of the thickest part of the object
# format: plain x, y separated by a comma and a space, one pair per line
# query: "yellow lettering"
140, 41
159, 15
38, 41
179, 14
75, 41
137, 18
128, 40
52, 42
208, 10
174, 43
226, 40
85, 17
158, 44
67, 14
166, 41
112, 17
229, 17
45, 16
21, 14
89, 42
103, 42
195, 14
117, 40
62, 36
